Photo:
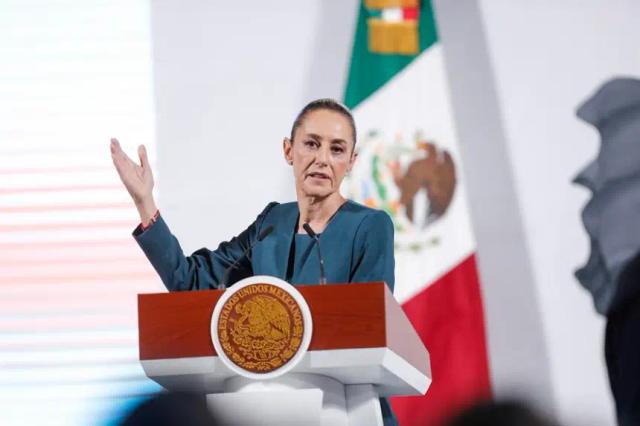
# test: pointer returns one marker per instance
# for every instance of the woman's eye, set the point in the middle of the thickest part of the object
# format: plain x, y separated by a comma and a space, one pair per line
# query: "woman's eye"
311, 144
337, 150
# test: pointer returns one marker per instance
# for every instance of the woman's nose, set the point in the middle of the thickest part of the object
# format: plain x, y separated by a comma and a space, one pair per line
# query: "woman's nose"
322, 156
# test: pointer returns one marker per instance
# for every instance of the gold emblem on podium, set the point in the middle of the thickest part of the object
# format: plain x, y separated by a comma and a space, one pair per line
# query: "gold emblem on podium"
260, 328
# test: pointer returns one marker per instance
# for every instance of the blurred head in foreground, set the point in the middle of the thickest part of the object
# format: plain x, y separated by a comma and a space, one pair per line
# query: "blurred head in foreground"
171, 409
499, 414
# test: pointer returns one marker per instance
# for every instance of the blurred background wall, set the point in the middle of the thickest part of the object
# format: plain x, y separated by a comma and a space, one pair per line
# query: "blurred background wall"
547, 58
530, 63
228, 79
544, 59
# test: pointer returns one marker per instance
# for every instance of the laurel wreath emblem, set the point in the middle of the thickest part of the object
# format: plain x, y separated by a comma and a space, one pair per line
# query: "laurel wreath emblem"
260, 328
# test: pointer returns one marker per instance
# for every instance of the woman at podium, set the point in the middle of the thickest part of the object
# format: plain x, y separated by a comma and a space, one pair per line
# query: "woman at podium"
356, 241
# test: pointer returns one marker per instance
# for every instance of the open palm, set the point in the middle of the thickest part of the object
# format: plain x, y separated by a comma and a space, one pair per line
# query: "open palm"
138, 179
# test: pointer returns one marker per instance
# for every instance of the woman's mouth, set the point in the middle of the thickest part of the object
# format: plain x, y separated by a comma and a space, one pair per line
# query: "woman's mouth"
318, 175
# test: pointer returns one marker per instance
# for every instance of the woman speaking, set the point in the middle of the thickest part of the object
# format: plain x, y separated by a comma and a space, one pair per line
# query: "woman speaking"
356, 241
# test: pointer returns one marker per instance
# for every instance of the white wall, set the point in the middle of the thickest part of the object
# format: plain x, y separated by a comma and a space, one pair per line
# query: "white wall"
229, 79
517, 347
547, 57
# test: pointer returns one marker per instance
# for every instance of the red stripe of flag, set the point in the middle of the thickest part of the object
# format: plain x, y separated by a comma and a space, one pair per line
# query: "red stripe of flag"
449, 318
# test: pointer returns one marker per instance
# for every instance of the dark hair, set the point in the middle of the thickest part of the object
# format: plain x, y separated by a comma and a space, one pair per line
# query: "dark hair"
503, 413
329, 104
171, 409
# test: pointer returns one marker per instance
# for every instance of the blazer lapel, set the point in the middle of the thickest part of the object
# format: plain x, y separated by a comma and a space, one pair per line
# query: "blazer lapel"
285, 231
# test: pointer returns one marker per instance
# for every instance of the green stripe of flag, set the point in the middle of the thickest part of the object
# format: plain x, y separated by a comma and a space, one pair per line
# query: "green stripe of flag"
370, 71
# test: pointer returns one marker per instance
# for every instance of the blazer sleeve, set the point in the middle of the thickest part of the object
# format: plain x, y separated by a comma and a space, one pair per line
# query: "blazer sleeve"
373, 248
204, 268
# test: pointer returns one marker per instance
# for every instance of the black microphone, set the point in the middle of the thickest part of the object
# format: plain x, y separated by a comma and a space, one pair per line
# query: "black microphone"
323, 278
225, 277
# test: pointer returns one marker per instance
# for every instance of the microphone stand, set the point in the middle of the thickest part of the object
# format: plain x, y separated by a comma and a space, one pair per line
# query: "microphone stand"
312, 234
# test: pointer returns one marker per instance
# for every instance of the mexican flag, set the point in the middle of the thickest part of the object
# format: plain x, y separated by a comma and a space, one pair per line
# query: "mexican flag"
409, 165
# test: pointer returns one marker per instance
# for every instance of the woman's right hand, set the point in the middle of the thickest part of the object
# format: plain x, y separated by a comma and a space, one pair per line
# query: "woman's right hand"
138, 179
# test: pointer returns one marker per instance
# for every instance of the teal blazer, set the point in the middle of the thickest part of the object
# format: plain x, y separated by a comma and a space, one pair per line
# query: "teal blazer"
356, 244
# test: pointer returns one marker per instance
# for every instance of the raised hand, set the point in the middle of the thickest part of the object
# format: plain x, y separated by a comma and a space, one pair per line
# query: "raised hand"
138, 179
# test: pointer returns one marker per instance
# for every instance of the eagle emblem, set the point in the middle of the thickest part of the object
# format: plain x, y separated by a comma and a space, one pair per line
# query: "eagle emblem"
260, 328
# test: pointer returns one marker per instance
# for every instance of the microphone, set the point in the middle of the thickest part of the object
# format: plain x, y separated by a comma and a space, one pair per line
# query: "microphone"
225, 277
323, 278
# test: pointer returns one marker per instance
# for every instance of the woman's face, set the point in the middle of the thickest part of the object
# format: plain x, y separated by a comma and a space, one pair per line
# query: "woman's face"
321, 153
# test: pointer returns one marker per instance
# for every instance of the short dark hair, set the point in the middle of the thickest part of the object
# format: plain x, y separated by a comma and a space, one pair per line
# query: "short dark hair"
328, 104
501, 413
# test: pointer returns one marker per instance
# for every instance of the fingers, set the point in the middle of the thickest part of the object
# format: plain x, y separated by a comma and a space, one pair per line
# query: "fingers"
117, 153
114, 146
121, 160
116, 150
144, 160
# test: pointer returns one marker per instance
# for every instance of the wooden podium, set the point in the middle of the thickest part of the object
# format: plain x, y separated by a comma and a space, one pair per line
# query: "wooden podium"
362, 347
